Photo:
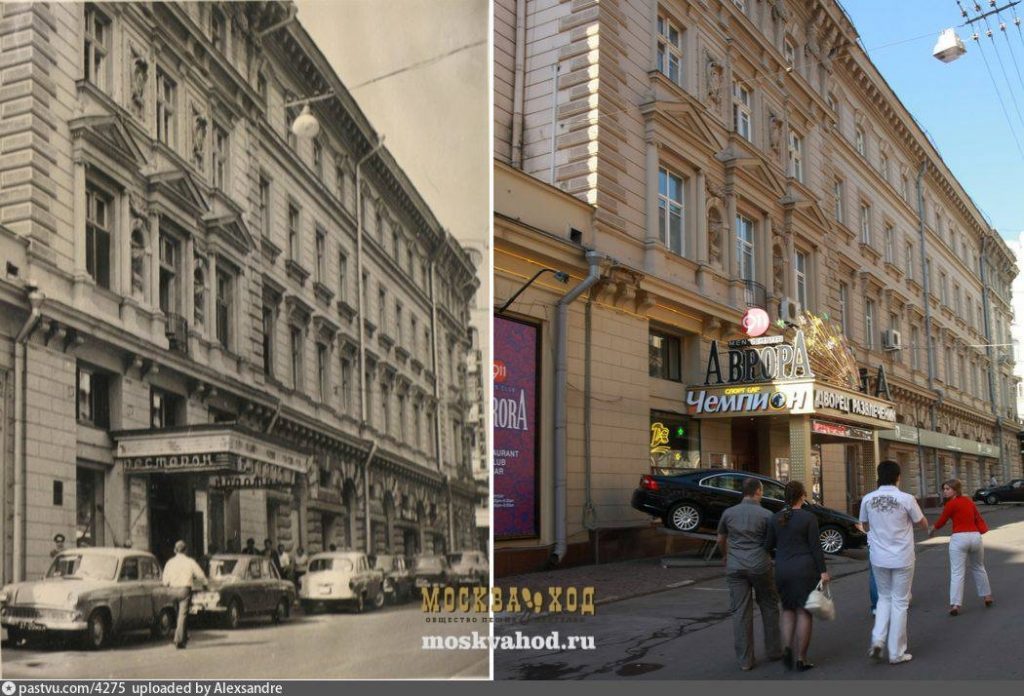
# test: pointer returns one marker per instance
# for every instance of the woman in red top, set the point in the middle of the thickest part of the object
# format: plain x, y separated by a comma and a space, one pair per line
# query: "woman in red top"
965, 545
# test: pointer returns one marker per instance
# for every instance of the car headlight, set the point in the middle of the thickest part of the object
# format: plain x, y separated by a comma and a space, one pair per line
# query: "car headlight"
5, 596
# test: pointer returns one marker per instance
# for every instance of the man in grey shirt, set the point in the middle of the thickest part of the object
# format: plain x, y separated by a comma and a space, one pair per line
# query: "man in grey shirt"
742, 532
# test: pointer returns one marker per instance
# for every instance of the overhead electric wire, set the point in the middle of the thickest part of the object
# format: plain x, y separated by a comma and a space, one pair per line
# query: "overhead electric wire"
999, 94
1002, 67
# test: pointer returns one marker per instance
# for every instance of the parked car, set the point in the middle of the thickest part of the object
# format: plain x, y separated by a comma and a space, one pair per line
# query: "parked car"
428, 570
93, 594
341, 578
1012, 492
469, 567
695, 499
397, 577
242, 585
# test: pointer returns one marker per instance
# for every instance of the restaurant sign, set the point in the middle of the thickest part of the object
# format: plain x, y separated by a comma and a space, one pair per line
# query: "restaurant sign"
763, 359
820, 427
200, 450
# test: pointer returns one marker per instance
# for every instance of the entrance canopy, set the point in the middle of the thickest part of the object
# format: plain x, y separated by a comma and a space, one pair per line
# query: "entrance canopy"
792, 397
233, 456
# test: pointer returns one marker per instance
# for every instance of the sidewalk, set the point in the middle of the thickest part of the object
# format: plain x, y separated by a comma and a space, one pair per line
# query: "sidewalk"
616, 581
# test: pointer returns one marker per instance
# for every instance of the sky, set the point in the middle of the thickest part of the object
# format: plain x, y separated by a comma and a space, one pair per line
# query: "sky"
434, 116
956, 103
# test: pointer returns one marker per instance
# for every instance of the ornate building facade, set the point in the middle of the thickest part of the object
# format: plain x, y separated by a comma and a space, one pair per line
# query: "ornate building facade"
212, 329
697, 158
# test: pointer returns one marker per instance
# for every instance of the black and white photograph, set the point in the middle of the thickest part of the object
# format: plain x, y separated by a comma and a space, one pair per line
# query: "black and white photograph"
244, 322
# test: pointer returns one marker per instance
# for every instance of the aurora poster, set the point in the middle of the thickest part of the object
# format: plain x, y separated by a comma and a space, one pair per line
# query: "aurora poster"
514, 413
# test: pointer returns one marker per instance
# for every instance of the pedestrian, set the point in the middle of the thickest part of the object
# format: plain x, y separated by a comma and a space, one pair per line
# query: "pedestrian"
269, 552
992, 480
889, 516
286, 562
301, 563
742, 533
793, 536
965, 546
250, 547
58, 544
180, 573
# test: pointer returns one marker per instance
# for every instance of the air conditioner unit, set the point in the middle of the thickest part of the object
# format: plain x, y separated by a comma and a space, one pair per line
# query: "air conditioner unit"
789, 309
891, 340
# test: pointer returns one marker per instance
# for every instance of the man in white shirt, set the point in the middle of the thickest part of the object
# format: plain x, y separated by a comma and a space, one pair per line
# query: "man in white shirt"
180, 573
889, 516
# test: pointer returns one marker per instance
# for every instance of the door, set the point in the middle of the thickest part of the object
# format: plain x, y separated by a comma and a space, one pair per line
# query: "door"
171, 515
136, 601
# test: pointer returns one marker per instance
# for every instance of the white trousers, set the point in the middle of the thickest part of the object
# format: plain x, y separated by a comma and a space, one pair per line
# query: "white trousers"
966, 551
894, 585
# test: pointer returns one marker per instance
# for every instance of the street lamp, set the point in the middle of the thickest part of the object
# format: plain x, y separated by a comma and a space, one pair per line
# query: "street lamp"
560, 276
306, 125
949, 47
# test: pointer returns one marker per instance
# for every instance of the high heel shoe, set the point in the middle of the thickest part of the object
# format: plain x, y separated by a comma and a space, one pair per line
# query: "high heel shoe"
803, 665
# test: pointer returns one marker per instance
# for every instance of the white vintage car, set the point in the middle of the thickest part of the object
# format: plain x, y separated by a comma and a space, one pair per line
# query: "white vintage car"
341, 578
93, 593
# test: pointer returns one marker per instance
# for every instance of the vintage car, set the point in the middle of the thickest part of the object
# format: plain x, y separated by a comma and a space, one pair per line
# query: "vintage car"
341, 578
91, 593
243, 585
429, 570
397, 577
469, 567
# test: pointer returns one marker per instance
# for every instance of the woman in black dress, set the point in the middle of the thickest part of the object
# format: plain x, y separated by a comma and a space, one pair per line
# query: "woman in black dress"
799, 567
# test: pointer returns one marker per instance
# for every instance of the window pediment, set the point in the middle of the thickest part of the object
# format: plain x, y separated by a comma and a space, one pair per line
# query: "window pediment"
108, 133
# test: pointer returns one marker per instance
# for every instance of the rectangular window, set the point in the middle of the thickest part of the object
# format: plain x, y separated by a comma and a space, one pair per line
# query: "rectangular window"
321, 256
268, 340
96, 47
915, 348
909, 261
741, 111
796, 156
218, 31
865, 223
670, 211
294, 249
398, 324
382, 309
296, 347
890, 244
318, 159
93, 397
670, 51
339, 183
165, 409
417, 426
883, 167
413, 330
98, 225
169, 258
346, 385
221, 145
905, 188
869, 324
322, 383
844, 300
342, 276
261, 88
957, 303
166, 107
859, 142
665, 354
385, 408
225, 303
745, 247
943, 288
789, 52
801, 278
264, 207
837, 197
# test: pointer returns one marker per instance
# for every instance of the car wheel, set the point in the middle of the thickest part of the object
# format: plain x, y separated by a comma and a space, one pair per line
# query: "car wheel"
832, 540
280, 611
684, 517
165, 624
378, 599
97, 630
234, 615
991, 500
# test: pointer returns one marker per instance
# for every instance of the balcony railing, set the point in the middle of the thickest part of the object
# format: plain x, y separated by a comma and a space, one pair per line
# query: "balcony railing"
177, 333
754, 294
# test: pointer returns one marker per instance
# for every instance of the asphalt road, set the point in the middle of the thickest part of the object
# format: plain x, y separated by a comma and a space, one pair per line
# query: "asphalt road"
375, 645
686, 633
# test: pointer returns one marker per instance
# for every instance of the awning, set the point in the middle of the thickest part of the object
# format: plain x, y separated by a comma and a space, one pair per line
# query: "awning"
233, 456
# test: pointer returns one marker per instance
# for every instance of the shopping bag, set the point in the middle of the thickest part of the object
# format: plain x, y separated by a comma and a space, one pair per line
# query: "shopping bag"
819, 602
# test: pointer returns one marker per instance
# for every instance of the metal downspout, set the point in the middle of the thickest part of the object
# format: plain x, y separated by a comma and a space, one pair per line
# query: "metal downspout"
927, 328
519, 85
992, 363
366, 496
359, 281
589, 512
433, 365
561, 384
36, 299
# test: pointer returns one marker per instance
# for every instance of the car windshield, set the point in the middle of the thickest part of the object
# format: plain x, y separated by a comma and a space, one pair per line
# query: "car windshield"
81, 566
429, 563
384, 563
223, 567
454, 558
338, 564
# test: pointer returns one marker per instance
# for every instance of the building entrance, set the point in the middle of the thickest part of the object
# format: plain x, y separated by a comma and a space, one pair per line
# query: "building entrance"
173, 516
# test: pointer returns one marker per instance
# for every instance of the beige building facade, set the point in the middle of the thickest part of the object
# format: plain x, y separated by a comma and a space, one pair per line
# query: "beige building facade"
714, 156
211, 329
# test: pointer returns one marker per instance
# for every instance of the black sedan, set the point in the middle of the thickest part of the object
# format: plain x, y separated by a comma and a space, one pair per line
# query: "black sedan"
1012, 492
687, 502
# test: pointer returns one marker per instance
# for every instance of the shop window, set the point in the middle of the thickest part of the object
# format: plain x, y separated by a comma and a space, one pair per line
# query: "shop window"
166, 410
93, 397
664, 352
674, 441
